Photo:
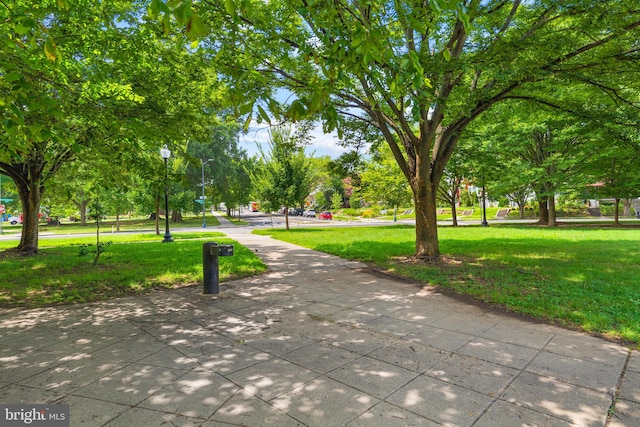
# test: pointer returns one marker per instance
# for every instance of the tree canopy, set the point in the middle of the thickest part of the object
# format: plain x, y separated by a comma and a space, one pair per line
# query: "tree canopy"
421, 72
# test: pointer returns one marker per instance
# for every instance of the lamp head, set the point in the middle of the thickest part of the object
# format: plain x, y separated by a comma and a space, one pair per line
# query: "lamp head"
164, 152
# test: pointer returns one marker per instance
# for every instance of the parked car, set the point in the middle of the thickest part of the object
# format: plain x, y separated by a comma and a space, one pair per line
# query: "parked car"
295, 212
13, 220
309, 213
325, 215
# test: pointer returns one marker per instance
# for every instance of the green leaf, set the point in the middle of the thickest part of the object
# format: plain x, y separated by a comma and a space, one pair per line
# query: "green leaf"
446, 54
50, 49
263, 114
230, 7
196, 28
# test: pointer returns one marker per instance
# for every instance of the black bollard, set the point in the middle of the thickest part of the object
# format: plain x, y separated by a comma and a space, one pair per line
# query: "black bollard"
210, 268
210, 265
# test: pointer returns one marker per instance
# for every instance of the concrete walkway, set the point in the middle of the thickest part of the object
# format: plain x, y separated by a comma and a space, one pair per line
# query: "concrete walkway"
317, 341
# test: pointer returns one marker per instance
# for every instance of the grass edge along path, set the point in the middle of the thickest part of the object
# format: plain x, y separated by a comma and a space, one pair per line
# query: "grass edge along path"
133, 264
581, 278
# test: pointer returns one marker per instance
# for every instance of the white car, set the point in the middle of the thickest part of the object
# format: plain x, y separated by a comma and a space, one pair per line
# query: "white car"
13, 220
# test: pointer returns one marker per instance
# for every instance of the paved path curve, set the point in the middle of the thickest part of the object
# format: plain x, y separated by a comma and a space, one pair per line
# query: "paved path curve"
316, 341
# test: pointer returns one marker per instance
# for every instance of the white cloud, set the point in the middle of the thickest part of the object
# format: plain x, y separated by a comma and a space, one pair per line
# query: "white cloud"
321, 144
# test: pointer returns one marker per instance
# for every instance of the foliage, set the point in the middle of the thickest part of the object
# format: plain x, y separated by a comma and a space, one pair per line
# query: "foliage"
420, 72
284, 176
382, 180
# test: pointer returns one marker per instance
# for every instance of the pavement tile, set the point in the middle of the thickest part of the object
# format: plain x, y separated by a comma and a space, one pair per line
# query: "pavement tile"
625, 414
82, 343
421, 315
16, 365
91, 412
324, 402
319, 309
372, 376
279, 343
131, 384
439, 338
358, 341
132, 348
28, 340
520, 333
391, 326
630, 387
634, 361
69, 376
475, 374
230, 359
14, 393
586, 347
235, 326
499, 352
272, 378
321, 357
407, 355
440, 401
506, 414
581, 406
464, 324
583, 373
386, 415
195, 394
352, 317
380, 306
228, 304
208, 342
140, 417
169, 358
247, 410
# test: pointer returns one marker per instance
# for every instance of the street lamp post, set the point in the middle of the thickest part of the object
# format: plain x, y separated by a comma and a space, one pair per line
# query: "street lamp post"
165, 153
204, 210
484, 203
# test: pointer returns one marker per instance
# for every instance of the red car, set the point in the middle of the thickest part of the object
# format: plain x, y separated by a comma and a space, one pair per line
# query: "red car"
325, 215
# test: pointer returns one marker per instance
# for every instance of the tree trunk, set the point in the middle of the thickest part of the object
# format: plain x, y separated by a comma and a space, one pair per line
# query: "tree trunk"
521, 210
82, 208
286, 216
616, 212
544, 210
30, 196
176, 216
117, 221
427, 246
454, 214
158, 214
551, 210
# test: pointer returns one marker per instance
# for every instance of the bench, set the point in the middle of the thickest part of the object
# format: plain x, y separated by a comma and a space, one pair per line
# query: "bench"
502, 213
467, 212
594, 212
408, 212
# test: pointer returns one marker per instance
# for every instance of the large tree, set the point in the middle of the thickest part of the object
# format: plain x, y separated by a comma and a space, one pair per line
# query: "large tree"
421, 72
90, 74
285, 176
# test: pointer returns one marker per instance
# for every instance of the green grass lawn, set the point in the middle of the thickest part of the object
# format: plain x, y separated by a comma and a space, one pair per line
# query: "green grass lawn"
134, 263
580, 277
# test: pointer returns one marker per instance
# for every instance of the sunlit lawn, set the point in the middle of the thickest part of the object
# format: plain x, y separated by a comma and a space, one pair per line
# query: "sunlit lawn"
133, 263
587, 278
